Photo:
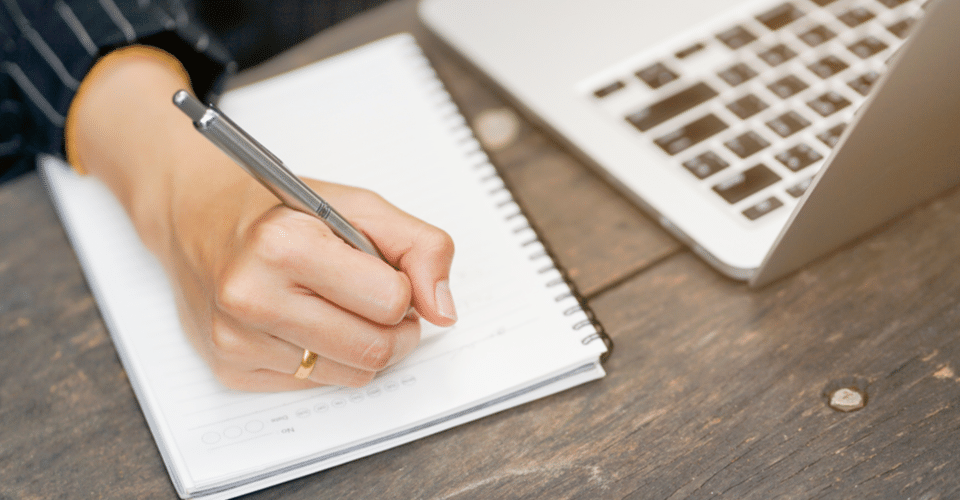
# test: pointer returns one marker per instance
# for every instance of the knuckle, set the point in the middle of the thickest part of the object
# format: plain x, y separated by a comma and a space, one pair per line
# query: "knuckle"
238, 296
377, 354
438, 241
232, 294
223, 372
275, 242
228, 345
369, 197
396, 299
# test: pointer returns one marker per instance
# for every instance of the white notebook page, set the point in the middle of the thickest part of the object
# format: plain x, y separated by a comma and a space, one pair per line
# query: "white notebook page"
376, 117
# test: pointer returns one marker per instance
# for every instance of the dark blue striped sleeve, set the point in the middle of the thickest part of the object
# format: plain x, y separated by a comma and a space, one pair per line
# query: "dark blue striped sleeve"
47, 46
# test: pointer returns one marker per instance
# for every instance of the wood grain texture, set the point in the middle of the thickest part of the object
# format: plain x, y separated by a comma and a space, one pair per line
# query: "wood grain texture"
717, 391
720, 388
70, 426
714, 390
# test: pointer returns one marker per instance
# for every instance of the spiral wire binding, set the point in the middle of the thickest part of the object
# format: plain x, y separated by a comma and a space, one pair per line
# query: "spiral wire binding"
471, 147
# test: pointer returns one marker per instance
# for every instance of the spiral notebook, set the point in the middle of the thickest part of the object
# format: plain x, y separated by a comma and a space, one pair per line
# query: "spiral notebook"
376, 117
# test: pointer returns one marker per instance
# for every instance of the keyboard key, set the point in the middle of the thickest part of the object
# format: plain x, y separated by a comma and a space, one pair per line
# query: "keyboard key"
777, 55
788, 124
864, 83
657, 75
705, 165
763, 208
747, 106
787, 86
867, 47
689, 51
892, 4
736, 37
828, 103
671, 106
831, 136
828, 66
901, 28
780, 16
737, 74
690, 134
817, 35
856, 16
799, 157
799, 188
746, 183
746, 144
608, 89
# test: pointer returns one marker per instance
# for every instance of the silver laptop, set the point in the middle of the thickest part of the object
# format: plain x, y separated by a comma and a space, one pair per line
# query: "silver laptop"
761, 133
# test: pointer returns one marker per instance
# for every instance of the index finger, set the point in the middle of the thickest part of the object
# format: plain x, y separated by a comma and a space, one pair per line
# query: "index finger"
420, 250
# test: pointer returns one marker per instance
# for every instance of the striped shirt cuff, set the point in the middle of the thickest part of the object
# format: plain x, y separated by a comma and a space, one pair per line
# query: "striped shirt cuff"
48, 47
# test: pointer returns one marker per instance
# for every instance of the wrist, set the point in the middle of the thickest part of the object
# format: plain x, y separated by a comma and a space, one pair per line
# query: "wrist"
107, 67
123, 129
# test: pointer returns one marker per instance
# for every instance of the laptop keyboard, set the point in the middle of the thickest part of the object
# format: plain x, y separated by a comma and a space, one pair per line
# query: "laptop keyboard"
751, 111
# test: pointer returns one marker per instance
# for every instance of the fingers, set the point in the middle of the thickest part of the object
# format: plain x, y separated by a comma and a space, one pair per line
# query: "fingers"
274, 290
424, 253
291, 285
426, 261
311, 322
254, 361
311, 255
340, 336
296, 247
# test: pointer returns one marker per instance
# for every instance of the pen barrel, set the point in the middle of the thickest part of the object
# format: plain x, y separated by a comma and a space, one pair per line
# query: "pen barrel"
272, 174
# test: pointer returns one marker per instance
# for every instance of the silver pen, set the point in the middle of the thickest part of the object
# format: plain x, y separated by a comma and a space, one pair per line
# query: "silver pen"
268, 169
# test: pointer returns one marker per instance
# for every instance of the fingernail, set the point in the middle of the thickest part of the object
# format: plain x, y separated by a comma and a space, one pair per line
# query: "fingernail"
444, 300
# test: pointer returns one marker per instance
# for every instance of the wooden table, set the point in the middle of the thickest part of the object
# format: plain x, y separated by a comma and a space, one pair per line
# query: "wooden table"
714, 389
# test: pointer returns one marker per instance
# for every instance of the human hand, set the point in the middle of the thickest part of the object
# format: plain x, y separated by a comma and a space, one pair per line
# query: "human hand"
256, 282
260, 283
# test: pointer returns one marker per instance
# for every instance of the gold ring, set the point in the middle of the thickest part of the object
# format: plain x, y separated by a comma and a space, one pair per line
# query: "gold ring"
306, 366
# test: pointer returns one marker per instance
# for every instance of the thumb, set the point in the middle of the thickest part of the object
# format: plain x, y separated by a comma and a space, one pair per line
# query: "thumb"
426, 261
420, 250
424, 253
